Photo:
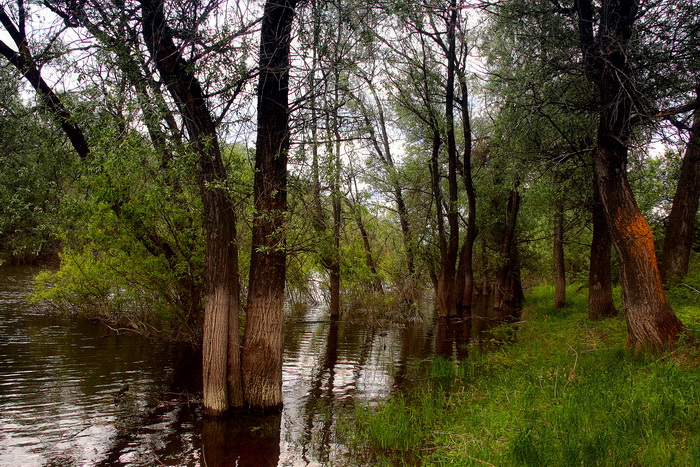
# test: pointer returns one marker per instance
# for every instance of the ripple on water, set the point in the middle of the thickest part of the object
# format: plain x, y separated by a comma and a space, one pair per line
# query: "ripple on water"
59, 377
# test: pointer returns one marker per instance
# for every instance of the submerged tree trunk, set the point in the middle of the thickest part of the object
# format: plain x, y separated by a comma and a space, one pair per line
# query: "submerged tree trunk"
681, 223
263, 340
600, 298
221, 376
447, 287
559, 265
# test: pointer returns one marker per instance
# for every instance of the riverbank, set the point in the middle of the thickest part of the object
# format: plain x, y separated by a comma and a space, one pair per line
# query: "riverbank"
561, 390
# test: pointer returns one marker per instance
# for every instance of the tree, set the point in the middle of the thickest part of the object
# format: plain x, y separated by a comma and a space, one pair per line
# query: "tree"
600, 299
176, 295
36, 169
539, 120
221, 357
263, 340
651, 321
681, 222
375, 120
433, 58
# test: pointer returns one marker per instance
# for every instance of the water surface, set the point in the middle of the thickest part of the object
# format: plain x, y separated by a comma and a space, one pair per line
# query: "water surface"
64, 398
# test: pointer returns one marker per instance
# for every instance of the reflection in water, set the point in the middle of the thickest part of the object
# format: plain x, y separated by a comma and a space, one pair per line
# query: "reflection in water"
251, 441
58, 378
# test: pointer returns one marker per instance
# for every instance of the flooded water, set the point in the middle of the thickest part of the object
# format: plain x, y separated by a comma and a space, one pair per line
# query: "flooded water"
74, 394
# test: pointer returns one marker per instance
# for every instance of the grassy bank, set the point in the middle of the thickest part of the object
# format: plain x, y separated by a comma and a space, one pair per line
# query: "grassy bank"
564, 393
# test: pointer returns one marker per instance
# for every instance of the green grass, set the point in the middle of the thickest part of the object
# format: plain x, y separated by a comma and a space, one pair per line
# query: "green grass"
566, 392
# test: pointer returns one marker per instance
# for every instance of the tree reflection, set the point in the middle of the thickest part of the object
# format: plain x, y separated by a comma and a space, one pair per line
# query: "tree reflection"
243, 441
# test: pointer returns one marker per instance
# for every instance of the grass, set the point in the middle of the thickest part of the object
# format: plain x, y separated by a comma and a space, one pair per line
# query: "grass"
566, 392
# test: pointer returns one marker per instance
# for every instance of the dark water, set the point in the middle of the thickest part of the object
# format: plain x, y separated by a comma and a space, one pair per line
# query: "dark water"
59, 377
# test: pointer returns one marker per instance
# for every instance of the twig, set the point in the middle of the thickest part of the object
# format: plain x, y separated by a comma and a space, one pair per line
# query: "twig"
572, 373
479, 460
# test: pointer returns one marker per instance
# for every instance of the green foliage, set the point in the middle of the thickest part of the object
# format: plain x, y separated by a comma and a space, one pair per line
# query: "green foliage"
35, 169
685, 298
653, 181
133, 241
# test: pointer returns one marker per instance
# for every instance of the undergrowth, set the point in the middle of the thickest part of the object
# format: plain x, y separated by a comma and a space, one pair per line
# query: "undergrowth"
565, 392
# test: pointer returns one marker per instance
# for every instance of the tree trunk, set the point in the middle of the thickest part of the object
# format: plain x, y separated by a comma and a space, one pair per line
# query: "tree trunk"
508, 292
600, 298
465, 276
221, 377
263, 340
681, 223
369, 258
336, 195
320, 223
650, 320
443, 286
447, 287
559, 265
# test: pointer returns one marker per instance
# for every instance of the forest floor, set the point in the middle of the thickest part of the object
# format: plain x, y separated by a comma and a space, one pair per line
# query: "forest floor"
556, 389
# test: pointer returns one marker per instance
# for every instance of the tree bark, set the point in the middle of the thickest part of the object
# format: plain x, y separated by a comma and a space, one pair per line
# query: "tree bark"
559, 265
681, 222
220, 358
448, 265
465, 276
651, 322
508, 291
263, 340
600, 298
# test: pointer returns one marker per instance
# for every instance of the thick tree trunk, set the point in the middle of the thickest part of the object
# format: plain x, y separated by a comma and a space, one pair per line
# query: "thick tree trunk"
650, 320
559, 265
221, 376
681, 223
263, 340
220, 346
600, 298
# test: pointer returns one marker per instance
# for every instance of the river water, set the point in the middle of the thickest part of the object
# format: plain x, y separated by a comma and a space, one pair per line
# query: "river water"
64, 399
